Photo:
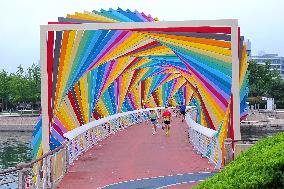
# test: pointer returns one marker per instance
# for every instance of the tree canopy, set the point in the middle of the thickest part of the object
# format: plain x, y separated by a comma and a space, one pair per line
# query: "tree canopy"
23, 86
265, 81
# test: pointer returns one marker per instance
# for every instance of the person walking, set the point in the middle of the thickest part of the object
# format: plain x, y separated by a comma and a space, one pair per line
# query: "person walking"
153, 117
167, 120
182, 109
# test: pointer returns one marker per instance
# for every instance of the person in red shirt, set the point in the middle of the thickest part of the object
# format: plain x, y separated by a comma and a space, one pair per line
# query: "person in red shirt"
167, 120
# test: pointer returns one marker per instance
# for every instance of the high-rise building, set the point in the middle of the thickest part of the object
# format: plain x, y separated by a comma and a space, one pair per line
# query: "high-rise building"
277, 62
247, 43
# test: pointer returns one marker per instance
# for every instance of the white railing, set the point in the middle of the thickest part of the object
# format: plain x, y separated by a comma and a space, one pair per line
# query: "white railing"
204, 141
49, 169
83, 138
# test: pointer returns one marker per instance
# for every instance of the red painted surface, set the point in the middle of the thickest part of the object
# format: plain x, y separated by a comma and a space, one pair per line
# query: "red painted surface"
136, 153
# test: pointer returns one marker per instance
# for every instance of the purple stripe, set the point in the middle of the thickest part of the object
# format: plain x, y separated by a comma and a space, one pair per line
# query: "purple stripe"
109, 69
57, 136
60, 125
140, 16
106, 73
150, 18
57, 129
165, 78
146, 17
131, 100
117, 92
175, 83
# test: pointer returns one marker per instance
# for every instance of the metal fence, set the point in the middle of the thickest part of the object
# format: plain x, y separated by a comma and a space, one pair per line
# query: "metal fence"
82, 141
204, 141
44, 172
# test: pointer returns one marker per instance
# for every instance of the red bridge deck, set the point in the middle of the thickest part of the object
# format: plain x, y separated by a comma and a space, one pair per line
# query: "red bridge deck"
136, 154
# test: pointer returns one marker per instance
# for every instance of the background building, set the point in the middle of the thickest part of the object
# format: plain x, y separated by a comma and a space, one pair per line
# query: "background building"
247, 43
277, 62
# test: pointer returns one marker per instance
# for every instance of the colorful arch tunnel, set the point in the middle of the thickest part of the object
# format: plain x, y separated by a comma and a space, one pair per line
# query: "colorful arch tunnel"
94, 73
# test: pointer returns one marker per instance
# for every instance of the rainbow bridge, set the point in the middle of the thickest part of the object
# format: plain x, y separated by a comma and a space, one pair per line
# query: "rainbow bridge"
102, 71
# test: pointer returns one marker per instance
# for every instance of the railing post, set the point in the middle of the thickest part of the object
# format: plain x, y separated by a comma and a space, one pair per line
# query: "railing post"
228, 150
220, 156
23, 175
52, 160
66, 156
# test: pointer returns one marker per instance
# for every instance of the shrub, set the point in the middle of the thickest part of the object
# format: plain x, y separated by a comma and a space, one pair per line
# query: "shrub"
262, 166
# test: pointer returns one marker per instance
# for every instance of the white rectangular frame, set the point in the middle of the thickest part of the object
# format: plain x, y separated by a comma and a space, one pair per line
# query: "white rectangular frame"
233, 23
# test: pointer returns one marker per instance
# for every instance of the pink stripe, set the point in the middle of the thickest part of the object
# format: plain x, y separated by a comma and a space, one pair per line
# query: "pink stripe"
58, 130
60, 125
146, 17
113, 62
56, 135
131, 98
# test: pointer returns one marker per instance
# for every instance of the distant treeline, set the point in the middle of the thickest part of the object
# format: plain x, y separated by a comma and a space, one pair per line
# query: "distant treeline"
23, 86
20, 88
265, 82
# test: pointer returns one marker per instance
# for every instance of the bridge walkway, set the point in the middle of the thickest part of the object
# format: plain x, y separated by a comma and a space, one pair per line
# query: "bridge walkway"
134, 158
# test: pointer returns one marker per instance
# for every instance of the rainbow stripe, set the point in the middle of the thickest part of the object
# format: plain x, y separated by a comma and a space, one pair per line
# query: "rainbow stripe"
93, 74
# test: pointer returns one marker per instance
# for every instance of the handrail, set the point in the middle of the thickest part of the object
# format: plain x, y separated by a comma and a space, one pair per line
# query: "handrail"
201, 129
83, 138
204, 141
38, 173
30, 164
79, 130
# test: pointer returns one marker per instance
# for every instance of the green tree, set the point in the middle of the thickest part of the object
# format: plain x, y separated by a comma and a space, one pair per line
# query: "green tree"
4, 89
21, 86
264, 81
33, 78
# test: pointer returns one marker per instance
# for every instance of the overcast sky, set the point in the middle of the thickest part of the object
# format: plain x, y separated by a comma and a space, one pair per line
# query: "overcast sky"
261, 21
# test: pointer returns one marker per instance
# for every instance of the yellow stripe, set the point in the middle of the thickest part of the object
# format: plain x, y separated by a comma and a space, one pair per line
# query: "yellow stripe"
125, 81
66, 65
142, 62
67, 107
119, 49
117, 70
159, 50
180, 83
102, 108
92, 17
84, 97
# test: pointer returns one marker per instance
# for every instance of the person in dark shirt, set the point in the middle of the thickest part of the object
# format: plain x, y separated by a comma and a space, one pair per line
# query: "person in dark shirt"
182, 109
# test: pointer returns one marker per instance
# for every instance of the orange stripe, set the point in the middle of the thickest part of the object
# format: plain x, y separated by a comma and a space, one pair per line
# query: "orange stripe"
212, 42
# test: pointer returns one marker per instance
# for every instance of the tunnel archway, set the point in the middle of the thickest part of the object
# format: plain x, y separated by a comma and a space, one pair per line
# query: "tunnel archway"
100, 63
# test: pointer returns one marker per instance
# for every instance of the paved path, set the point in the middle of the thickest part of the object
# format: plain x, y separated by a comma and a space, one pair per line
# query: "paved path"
161, 181
135, 153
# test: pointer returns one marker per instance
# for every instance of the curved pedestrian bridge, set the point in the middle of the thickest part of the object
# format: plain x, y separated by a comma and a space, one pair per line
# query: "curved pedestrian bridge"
134, 158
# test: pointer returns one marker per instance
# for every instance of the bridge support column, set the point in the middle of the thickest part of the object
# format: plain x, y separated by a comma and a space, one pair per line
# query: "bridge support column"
44, 91
235, 79
228, 151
